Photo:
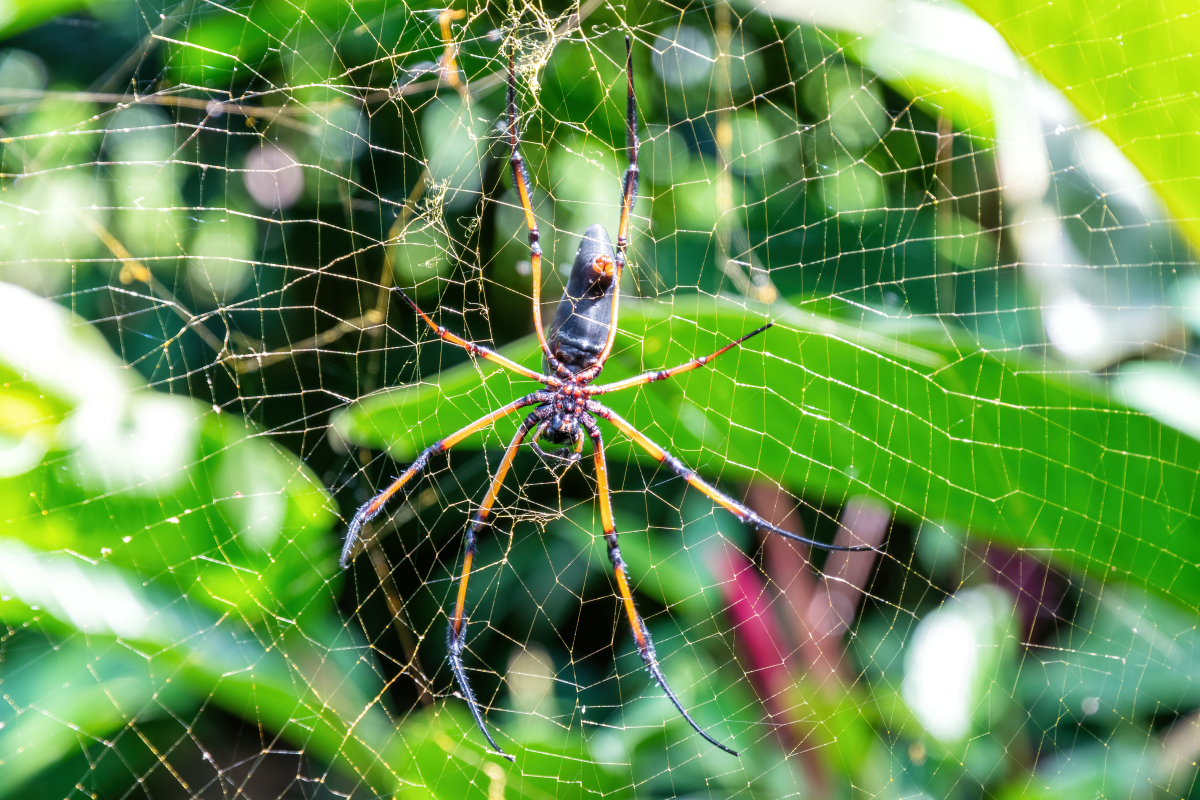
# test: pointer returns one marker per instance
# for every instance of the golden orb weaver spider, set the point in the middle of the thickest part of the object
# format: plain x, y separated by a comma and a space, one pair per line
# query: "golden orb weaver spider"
580, 338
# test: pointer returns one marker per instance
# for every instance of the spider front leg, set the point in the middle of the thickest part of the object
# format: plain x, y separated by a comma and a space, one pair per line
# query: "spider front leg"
372, 507
629, 186
689, 475
458, 623
663, 374
629, 190
521, 183
641, 633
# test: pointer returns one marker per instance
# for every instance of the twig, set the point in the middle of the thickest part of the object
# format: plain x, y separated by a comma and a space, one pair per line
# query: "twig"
134, 270
254, 361
396, 606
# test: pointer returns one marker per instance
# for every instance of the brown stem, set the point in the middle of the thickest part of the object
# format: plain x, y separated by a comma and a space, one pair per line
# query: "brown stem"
817, 609
844, 579
412, 667
787, 566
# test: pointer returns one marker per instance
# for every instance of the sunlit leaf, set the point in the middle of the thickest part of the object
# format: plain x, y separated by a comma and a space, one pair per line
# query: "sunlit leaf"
211, 656
152, 482
1117, 62
1128, 656
940, 428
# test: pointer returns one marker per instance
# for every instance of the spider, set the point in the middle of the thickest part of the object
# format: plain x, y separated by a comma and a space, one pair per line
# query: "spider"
579, 341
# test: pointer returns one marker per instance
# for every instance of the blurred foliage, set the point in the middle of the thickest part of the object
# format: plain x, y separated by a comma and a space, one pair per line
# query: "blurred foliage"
1143, 105
985, 317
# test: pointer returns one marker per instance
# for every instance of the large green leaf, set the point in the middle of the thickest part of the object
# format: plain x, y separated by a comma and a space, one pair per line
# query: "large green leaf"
287, 681
1001, 445
1128, 67
148, 653
20, 15
94, 463
1126, 658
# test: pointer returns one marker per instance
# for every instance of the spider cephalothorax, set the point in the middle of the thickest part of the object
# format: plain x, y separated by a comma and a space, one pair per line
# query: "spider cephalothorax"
580, 339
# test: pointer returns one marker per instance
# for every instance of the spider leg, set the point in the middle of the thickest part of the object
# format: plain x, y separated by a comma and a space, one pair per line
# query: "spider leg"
521, 183
630, 181
371, 508
477, 349
628, 198
682, 470
640, 633
662, 375
458, 623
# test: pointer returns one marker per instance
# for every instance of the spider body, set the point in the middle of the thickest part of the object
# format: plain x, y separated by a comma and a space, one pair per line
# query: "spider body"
584, 317
576, 340
579, 341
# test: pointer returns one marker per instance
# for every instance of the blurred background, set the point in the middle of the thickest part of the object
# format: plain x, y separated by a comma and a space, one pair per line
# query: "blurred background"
972, 225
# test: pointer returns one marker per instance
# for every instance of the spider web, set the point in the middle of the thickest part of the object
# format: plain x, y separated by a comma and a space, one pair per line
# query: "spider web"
980, 365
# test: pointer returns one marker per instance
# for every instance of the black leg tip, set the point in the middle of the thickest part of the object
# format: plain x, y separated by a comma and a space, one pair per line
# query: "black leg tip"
347, 556
713, 741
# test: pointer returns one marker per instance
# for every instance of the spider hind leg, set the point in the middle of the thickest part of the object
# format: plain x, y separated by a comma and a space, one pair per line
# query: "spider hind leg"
641, 634
375, 505
690, 475
457, 636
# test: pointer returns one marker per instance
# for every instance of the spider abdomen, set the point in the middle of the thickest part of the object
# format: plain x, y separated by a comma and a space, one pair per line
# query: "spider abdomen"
580, 327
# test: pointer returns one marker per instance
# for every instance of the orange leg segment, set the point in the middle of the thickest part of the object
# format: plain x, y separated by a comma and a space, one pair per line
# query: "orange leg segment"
477, 349
521, 184
682, 470
641, 634
371, 508
458, 622
628, 198
662, 375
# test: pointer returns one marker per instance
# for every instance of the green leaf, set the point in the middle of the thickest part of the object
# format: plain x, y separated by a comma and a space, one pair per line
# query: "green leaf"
281, 677
20, 15
311, 685
152, 482
54, 700
436, 753
1128, 68
1127, 657
222, 43
939, 427
1126, 764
